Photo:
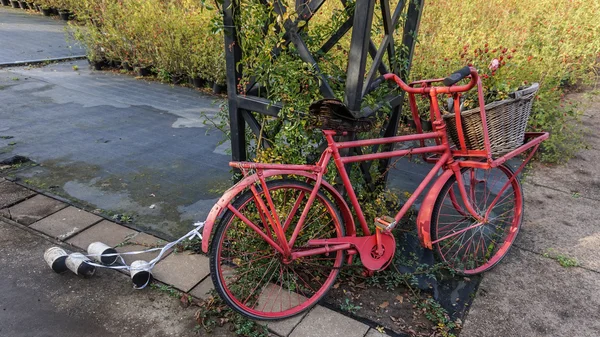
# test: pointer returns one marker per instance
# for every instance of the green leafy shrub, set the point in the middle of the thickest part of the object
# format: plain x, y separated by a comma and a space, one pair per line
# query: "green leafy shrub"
557, 49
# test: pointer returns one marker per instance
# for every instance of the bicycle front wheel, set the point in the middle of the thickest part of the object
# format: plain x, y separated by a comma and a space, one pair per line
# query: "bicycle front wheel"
253, 277
465, 244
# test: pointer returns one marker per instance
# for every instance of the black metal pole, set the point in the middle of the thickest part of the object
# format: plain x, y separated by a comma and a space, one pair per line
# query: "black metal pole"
233, 55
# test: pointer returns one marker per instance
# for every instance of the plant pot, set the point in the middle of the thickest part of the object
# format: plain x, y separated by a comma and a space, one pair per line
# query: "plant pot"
5, 2
32, 6
125, 65
23, 5
219, 88
113, 64
426, 125
143, 71
65, 15
46, 11
411, 123
15, 4
97, 64
54, 11
177, 79
198, 82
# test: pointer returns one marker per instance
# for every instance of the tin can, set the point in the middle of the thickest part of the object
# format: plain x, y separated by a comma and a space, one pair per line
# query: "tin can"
100, 251
77, 263
56, 258
140, 274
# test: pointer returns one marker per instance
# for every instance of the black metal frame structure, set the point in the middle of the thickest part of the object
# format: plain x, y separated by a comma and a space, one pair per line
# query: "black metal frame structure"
358, 77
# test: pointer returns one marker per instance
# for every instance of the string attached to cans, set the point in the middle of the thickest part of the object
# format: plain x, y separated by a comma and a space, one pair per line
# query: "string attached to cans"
107, 257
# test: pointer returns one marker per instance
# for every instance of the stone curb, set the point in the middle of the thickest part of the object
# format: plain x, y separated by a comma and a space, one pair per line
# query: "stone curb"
32, 62
186, 272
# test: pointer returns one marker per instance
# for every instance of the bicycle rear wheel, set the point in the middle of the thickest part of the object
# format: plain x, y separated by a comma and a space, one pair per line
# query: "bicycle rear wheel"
465, 244
254, 278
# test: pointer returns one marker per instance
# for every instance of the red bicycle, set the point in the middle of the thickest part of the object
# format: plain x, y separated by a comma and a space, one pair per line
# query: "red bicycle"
280, 241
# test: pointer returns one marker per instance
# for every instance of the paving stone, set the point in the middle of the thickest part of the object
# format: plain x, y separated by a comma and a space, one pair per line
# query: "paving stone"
66, 223
11, 193
107, 232
203, 289
34, 209
270, 299
321, 321
182, 270
141, 241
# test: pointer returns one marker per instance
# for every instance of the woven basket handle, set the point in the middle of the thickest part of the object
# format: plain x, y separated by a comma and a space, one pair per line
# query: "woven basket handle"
531, 90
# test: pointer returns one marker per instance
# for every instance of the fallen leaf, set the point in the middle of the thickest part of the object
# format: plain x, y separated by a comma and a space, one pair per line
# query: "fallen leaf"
384, 304
184, 301
380, 329
399, 298
335, 286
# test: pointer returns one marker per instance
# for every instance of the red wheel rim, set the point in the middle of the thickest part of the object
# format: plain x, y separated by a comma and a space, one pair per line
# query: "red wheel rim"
472, 251
280, 288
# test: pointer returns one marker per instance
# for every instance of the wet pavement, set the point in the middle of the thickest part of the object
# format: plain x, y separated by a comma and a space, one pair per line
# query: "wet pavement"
124, 146
28, 36
114, 143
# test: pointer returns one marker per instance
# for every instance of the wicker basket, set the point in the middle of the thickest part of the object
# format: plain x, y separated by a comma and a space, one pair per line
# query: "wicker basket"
506, 122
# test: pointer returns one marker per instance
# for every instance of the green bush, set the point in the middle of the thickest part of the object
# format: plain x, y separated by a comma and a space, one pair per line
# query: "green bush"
172, 36
559, 49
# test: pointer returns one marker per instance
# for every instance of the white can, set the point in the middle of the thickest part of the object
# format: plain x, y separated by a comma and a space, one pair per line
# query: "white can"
76, 262
56, 258
100, 251
140, 274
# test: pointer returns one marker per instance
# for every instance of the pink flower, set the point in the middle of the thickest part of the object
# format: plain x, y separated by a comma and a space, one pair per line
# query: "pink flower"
494, 65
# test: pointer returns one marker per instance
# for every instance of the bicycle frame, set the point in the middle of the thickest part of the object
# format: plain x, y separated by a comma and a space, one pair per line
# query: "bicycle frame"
442, 155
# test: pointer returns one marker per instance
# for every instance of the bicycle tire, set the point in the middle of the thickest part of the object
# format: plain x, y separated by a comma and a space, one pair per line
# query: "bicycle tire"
228, 264
494, 237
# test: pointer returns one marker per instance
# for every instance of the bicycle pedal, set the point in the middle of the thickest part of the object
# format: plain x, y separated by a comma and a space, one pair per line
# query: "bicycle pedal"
385, 222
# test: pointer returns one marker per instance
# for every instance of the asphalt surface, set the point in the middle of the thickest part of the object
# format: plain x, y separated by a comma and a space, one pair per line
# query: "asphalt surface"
115, 143
30, 36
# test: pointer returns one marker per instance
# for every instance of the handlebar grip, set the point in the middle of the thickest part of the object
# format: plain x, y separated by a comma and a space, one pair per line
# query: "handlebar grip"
457, 76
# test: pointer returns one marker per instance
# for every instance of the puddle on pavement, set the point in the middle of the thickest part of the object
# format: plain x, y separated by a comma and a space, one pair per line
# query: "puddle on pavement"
155, 205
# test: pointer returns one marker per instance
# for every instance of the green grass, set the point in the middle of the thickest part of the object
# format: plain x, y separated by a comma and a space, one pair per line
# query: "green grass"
564, 260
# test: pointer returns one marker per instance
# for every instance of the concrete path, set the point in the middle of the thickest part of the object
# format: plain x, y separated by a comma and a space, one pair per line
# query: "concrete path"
530, 293
30, 36
36, 302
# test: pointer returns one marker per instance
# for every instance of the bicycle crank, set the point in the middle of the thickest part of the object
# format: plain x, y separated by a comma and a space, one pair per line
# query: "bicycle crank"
373, 256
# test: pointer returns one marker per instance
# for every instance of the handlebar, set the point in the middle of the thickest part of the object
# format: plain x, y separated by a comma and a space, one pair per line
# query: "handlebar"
448, 81
457, 76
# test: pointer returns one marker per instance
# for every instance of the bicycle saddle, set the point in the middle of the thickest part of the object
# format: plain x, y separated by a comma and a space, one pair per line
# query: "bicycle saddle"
332, 107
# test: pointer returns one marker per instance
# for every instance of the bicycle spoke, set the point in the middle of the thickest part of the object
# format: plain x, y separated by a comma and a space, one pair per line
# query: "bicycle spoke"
257, 278
478, 246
